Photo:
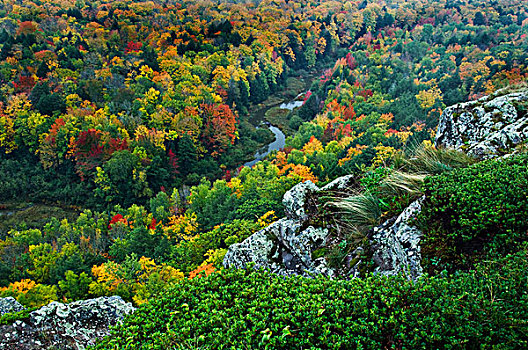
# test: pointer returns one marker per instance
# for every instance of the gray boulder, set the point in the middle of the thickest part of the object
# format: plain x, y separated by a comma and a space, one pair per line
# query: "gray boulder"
286, 246
396, 244
342, 183
10, 305
282, 248
65, 326
295, 200
486, 128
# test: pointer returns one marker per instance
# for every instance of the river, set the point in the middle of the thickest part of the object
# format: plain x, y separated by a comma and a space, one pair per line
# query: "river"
278, 143
280, 138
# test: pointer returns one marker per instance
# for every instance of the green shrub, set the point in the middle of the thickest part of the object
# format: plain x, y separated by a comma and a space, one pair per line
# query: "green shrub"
482, 206
10, 318
246, 309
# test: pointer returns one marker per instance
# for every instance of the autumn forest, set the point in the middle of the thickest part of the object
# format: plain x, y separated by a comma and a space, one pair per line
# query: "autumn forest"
125, 125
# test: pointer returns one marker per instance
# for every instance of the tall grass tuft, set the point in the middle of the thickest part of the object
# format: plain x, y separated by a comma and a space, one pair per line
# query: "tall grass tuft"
400, 183
430, 160
358, 211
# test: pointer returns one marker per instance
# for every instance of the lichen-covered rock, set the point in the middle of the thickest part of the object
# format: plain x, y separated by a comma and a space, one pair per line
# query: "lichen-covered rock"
395, 244
286, 246
259, 248
341, 183
10, 305
486, 128
65, 326
282, 248
294, 200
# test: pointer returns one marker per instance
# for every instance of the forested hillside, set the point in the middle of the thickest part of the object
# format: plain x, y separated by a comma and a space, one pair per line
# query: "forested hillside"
124, 127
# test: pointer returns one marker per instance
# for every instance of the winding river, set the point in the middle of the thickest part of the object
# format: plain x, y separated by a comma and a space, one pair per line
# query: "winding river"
280, 138
278, 143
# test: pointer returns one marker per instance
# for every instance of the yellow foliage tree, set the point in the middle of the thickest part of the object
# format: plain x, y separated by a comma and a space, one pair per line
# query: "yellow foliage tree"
351, 153
7, 133
299, 171
181, 226
312, 146
383, 153
428, 98
29, 293
135, 279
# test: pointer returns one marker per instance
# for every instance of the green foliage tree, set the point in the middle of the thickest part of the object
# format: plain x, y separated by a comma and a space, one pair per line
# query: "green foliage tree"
75, 287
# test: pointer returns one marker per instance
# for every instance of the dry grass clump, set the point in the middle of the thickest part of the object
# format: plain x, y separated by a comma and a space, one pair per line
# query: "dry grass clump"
356, 214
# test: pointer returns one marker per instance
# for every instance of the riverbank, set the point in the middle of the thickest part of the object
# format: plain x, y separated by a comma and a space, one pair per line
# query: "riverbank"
294, 87
277, 121
32, 215
278, 143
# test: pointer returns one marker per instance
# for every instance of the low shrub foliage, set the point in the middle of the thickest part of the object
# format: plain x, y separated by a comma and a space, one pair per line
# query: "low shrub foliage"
9, 318
246, 309
476, 209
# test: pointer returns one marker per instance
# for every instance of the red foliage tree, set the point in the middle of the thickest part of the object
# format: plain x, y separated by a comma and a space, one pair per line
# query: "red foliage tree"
117, 218
342, 130
26, 27
133, 47
91, 149
365, 93
349, 113
24, 83
220, 127
153, 224
173, 162
351, 61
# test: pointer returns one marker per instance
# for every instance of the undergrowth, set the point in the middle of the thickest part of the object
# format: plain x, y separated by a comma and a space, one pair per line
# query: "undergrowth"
246, 309
471, 211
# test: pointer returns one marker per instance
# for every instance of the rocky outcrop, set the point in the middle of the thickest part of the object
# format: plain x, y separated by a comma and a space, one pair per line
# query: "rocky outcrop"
65, 326
286, 247
485, 128
395, 244
488, 127
282, 248
9, 305
342, 183
294, 200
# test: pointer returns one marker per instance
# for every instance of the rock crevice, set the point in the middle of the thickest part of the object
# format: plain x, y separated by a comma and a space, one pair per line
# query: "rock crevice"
487, 127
